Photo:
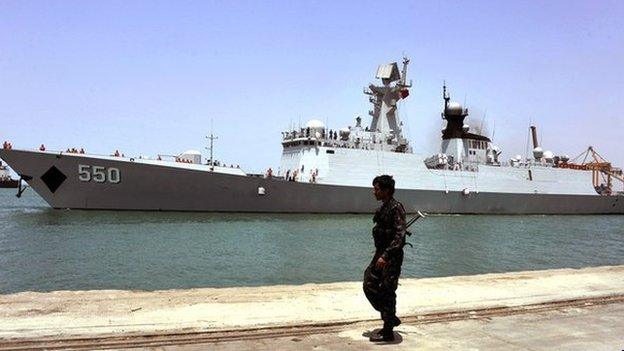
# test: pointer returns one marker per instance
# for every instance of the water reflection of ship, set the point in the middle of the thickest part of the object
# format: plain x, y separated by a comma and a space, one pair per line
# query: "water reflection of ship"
5, 177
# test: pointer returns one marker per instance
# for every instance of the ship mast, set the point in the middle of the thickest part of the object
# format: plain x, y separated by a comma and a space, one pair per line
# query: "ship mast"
212, 138
385, 98
446, 97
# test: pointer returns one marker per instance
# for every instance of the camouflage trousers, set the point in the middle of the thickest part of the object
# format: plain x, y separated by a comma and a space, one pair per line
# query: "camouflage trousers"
380, 285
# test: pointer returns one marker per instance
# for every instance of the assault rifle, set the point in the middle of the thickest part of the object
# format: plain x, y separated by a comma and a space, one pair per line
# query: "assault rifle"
418, 216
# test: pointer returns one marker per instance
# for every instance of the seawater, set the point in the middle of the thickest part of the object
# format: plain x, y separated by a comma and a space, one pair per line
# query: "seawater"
42, 249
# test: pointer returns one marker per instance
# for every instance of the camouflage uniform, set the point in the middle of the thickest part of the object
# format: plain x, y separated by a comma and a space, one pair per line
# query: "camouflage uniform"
389, 235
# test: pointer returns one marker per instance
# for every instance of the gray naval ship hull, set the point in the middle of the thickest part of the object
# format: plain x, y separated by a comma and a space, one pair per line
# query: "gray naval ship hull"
143, 186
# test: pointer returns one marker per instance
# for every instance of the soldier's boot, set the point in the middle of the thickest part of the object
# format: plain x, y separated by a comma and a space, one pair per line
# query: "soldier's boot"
386, 334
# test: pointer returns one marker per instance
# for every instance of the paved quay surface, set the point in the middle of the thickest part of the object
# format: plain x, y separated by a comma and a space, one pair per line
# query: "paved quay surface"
589, 328
496, 309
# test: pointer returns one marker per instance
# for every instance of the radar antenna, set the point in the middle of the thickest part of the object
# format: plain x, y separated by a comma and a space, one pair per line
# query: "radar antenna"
446, 97
212, 138
403, 82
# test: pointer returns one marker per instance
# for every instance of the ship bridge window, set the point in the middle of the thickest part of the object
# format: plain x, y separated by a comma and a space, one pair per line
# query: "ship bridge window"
477, 144
329, 151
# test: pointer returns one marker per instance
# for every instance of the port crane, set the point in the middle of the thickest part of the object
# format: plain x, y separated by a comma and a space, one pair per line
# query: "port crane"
603, 172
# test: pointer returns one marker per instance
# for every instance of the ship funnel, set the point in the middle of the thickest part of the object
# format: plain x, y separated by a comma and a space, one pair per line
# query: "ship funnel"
538, 152
534, 135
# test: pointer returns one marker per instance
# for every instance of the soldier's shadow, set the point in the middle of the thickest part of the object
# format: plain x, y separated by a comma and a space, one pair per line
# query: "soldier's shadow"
397, 337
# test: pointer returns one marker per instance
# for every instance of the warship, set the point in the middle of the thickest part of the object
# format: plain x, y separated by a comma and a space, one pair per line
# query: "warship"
330, 171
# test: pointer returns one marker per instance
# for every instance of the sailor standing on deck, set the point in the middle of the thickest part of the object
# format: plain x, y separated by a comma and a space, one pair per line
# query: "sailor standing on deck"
381, 277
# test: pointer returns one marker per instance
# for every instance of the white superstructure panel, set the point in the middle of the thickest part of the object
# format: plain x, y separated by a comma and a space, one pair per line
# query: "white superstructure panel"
355, 167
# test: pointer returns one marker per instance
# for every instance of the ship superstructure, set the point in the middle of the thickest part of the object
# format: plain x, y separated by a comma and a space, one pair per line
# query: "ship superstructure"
383, 135
330, 171
467, 162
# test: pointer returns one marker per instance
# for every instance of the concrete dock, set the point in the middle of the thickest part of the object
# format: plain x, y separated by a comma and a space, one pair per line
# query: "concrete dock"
538, 310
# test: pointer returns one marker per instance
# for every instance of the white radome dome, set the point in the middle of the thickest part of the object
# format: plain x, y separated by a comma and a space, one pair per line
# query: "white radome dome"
454, 108
538, 152
465, 128
315, 124
549, 155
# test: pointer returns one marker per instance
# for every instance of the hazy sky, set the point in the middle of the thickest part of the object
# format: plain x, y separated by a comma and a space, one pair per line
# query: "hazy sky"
147, 77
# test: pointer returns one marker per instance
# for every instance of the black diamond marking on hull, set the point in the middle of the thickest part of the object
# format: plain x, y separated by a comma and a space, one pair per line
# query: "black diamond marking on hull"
53, 178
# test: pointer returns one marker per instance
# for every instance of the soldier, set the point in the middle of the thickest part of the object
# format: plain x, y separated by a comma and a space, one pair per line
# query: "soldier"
381, 277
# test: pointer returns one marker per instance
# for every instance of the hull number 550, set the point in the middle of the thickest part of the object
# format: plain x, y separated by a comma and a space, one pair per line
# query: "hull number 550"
98, 174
